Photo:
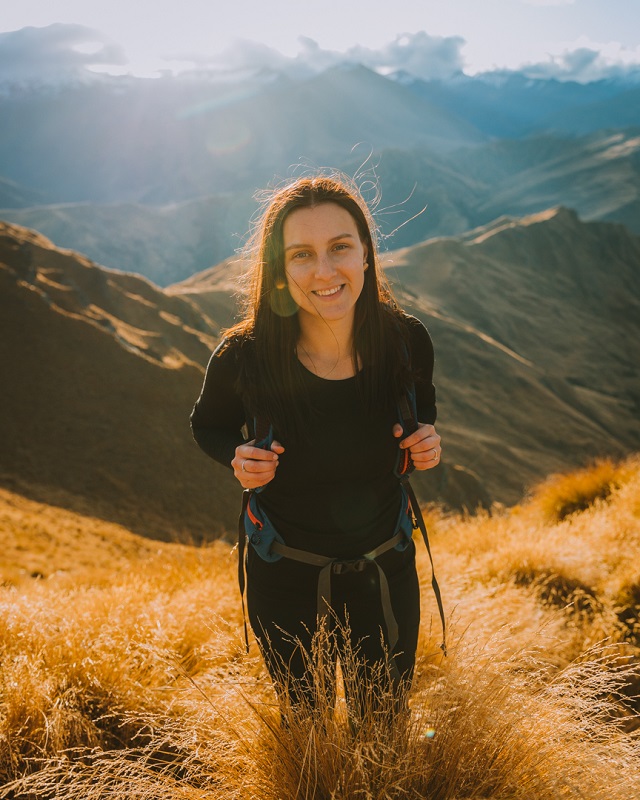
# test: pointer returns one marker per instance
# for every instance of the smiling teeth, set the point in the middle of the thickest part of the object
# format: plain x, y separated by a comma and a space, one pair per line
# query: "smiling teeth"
327, 292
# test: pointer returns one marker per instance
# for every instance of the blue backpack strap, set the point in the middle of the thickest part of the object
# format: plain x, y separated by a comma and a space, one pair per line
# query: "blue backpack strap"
408, 418
252, 523
263, 435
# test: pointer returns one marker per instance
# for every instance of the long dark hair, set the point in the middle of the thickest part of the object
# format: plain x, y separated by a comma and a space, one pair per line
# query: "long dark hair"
271, 379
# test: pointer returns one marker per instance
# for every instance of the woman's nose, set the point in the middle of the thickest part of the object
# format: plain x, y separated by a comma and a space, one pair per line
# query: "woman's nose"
324, 267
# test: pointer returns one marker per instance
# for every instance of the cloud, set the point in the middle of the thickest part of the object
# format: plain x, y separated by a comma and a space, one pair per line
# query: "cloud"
63, 52
422, 55
54, 53
587, 63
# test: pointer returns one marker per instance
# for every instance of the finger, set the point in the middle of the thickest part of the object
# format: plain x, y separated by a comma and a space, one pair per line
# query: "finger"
423, 432
428, 459
397, 430
260, 467
254, 467
277, 447
256, 453
432, 455
427, 445
250, 480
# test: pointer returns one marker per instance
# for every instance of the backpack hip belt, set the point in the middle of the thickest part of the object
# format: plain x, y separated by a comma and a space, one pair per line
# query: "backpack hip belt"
333, 566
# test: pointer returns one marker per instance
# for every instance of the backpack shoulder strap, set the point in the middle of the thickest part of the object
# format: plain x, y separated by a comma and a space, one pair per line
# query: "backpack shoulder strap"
408, 418
263, 434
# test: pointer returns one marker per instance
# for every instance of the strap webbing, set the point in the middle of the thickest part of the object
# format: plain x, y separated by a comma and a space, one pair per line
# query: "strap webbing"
417, 514
242, 537
329, 565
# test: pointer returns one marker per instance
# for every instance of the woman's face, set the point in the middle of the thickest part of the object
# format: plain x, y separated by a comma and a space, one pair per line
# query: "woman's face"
324, 261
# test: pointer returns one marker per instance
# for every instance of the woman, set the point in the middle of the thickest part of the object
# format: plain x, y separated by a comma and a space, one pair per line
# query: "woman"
323, 356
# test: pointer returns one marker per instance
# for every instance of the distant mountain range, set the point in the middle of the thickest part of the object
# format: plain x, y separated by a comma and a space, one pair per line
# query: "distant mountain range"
158, 177
536, 324
422, 194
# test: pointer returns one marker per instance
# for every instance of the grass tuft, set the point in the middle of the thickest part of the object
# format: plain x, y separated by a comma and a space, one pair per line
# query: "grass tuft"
129, 680
563, 495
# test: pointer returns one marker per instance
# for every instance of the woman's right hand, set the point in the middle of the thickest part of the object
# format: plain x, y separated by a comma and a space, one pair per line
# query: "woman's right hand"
254, 466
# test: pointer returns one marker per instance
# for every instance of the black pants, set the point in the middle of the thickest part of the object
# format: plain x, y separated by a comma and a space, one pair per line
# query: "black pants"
283, 612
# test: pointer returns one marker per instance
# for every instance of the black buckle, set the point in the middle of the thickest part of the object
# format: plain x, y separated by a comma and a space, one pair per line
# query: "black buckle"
342, 567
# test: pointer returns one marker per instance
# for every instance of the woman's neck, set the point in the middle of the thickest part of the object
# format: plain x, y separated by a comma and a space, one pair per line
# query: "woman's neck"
327, 350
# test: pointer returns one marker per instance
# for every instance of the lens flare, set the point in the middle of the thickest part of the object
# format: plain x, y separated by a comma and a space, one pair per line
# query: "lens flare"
227, 139
281, 301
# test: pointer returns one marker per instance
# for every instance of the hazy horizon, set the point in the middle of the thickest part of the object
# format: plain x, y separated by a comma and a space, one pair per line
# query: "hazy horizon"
565, 39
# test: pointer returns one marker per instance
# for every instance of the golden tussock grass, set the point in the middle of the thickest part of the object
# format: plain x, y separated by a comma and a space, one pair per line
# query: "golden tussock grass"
127, 678
562, 495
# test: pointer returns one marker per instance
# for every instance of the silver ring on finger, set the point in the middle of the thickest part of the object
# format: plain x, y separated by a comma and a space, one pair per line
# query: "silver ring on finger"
244, 461
435, 454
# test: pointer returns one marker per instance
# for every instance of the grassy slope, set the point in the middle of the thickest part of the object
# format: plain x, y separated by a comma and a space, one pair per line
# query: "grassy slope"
131, 651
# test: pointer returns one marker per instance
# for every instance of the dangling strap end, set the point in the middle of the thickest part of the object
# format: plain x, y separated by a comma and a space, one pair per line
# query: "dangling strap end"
242, 537
246, 632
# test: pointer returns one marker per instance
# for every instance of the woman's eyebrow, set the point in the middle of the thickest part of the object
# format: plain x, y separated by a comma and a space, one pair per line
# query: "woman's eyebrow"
332, 239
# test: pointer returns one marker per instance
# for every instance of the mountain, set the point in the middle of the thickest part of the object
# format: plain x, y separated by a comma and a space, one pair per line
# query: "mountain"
536, 324
512, 105
163, 243
414, 194
100, 370
622, 110
597, 175
14, 196
213, 290
158, 177
170, 140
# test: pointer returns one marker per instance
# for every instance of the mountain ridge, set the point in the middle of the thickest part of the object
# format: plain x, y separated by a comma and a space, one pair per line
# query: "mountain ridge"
536, 368
417, 196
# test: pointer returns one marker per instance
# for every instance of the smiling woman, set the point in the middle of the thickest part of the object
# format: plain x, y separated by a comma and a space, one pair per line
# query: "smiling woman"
325, 263
317, 371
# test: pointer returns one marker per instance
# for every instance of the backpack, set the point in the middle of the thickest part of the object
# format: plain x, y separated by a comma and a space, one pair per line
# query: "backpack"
255, 527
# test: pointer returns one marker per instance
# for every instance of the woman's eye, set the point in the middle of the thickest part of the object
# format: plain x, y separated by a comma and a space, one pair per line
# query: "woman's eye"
341, 247
302, 254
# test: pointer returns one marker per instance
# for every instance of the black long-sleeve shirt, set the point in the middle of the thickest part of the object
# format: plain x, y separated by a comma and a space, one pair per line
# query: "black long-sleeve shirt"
335, 493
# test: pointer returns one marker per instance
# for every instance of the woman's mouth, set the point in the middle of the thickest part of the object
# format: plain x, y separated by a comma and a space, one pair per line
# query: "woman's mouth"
328, 292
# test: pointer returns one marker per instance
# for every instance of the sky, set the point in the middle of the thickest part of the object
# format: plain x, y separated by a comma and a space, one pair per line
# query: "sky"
581, 39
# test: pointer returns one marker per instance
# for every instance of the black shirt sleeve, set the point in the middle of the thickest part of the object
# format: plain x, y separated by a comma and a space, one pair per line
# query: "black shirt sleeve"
218, 414
422, 361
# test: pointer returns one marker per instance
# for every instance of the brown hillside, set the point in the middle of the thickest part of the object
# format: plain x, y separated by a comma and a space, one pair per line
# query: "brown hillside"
100, 370
213, 290
537, 330
535, 324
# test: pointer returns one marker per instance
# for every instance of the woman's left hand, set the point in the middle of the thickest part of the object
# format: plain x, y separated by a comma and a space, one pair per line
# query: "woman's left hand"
423, 444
